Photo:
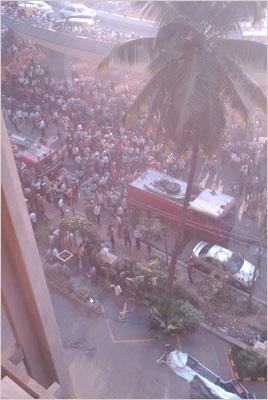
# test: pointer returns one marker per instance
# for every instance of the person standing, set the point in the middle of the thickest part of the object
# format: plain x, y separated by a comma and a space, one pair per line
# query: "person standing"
117, 291
110, 234
137, 237
42, 127
61, 207
33, 219
126, 236
97, 211
190, 269
119, 224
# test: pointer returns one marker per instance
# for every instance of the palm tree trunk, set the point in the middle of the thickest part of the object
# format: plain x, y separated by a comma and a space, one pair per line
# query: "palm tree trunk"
181, 228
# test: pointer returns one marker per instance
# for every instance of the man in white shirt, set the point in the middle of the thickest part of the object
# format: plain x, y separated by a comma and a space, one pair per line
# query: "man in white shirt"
97, 211
61, 207
33, 219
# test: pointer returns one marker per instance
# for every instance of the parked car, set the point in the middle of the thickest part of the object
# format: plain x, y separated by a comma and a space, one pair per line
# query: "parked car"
77, 9
38, 5
208, 257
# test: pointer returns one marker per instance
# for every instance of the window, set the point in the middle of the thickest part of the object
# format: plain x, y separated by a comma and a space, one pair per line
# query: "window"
234, 263
82, 8
205, 250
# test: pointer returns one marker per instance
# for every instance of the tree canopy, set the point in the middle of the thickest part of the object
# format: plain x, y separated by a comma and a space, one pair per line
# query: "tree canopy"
197, 61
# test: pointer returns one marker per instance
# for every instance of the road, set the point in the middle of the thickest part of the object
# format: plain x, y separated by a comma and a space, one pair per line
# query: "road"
116, 22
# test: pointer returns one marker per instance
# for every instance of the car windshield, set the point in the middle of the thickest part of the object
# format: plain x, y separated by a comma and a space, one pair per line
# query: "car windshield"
234, 263
81, 8
205, 250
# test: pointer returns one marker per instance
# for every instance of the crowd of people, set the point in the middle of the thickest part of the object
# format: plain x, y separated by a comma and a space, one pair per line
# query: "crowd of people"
105, 155
46, 20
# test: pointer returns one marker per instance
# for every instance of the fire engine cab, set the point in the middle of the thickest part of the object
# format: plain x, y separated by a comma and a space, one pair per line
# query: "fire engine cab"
210, 213
43, 160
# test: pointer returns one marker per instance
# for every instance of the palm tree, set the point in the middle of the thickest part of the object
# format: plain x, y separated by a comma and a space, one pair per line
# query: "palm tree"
196, 61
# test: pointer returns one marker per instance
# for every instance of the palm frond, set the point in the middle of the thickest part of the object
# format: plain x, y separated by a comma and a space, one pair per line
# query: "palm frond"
155, 88
160, 12
229, 92
244, 84
177, 28
131, 52
248, 53
234, 14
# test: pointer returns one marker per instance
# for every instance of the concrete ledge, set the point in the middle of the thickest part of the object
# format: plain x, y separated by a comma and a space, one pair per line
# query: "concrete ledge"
70, 295
226, 337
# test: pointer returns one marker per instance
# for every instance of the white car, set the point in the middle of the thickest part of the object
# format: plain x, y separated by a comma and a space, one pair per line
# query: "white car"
39, 5
208, 257
77, 9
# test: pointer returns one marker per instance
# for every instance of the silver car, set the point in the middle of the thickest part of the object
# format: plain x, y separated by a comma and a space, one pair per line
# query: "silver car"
208, 257
77, 9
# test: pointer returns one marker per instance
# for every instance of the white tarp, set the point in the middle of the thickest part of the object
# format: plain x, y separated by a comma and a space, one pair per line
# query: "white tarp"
177, 360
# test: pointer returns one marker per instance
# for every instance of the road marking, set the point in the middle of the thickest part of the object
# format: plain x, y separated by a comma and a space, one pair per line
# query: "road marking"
116, 341
108, 326
229, 363
167, 388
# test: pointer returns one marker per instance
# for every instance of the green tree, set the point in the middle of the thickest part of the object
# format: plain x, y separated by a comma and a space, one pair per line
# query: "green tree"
196, 61
86, 229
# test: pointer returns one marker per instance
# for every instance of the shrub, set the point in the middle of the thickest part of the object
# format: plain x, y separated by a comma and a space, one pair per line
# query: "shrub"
248, 363
85, 228
170, 316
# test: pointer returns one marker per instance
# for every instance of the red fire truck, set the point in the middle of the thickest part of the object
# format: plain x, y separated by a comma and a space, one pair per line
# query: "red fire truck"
41, 159
210, 214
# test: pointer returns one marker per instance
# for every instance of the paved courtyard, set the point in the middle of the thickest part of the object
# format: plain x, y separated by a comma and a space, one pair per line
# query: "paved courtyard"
122, 356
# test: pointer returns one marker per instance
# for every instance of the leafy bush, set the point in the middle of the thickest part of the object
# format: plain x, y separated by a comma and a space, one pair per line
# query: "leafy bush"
248, 363
85, 228
170, 316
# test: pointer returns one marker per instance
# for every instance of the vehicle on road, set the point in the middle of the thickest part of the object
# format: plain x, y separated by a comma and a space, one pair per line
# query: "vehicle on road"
80, 25
210, 257
210, 215
38, 158
33, 5
77, 9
